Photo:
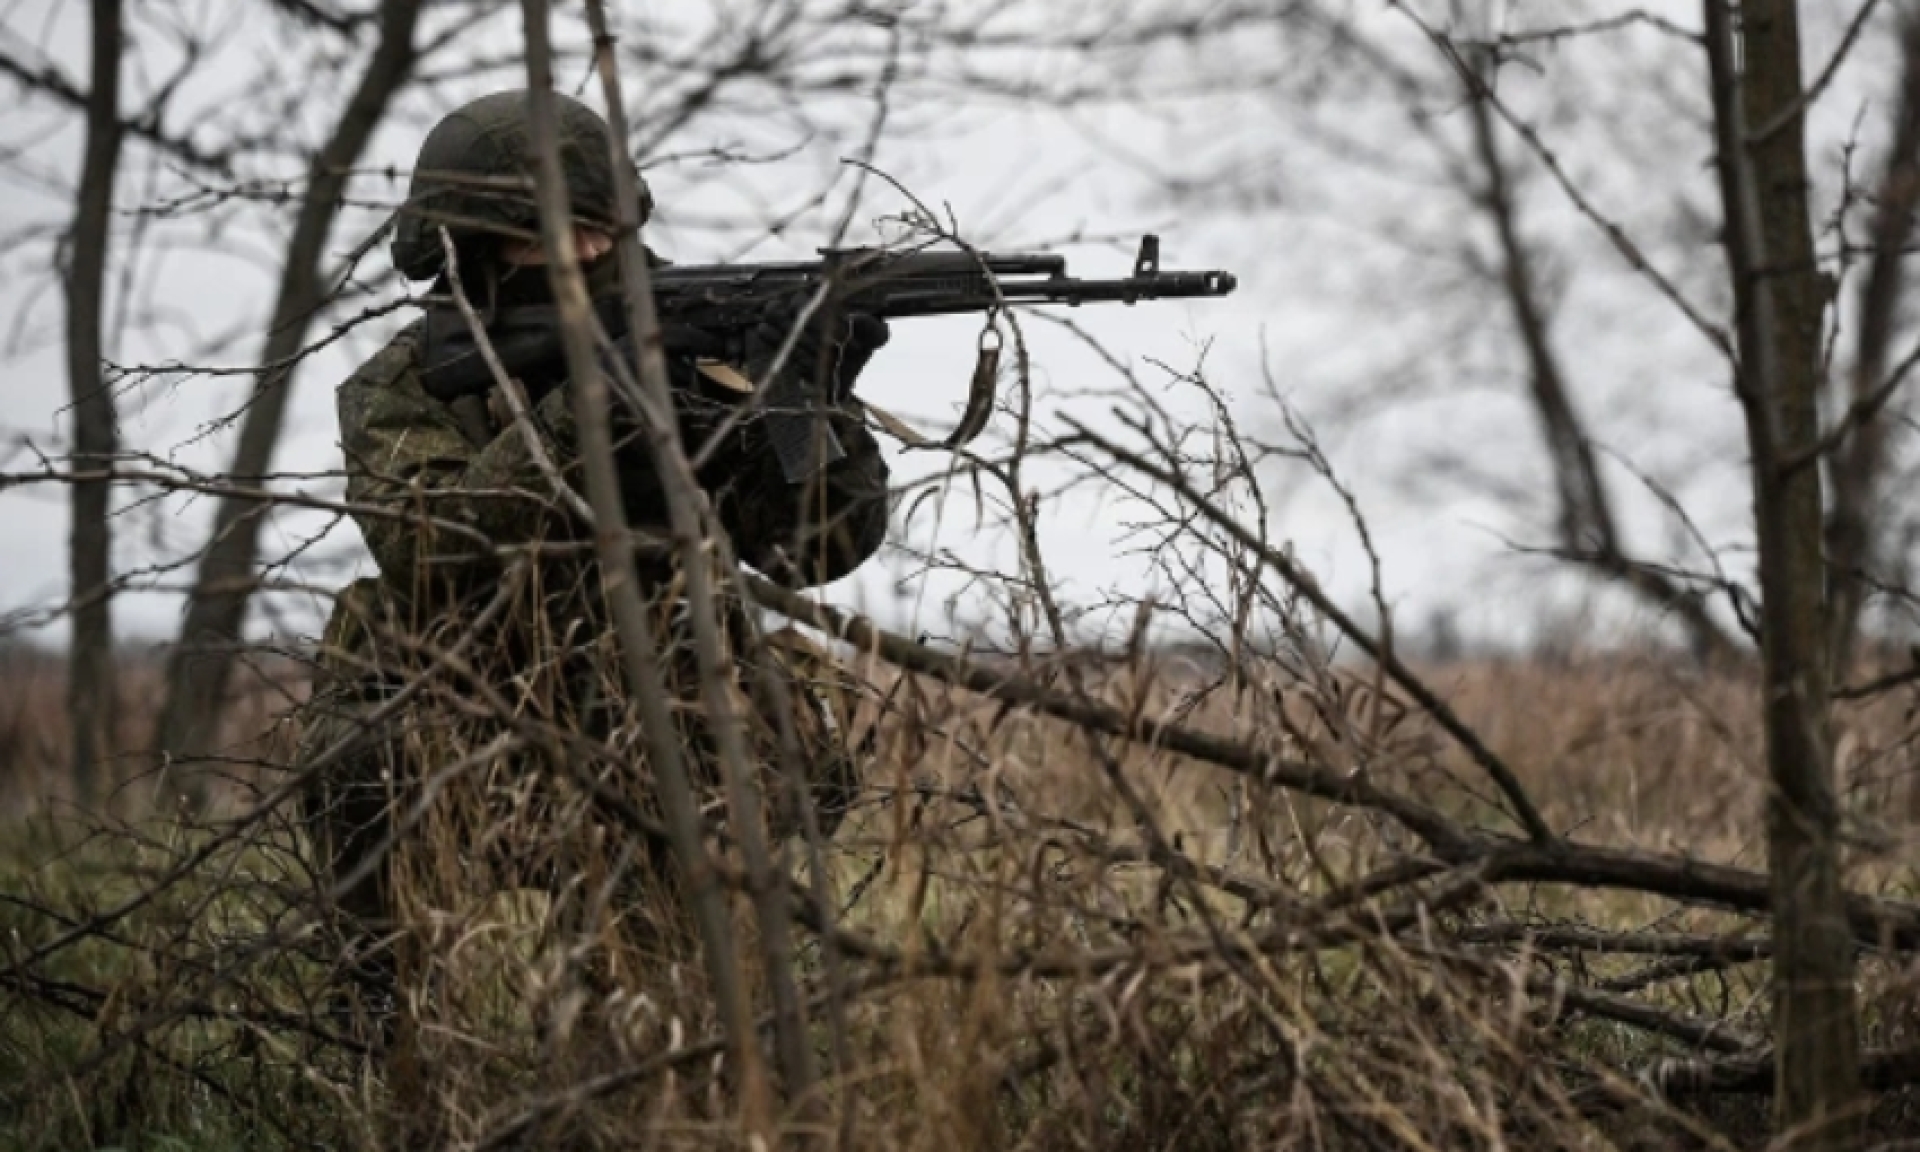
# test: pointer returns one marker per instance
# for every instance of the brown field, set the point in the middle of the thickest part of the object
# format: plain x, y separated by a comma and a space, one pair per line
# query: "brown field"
986, 835
35, 742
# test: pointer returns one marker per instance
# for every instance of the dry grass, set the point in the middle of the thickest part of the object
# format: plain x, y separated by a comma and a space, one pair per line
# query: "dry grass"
1046, 981
35, 742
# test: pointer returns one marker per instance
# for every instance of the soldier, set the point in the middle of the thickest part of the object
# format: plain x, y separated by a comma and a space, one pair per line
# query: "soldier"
450, 498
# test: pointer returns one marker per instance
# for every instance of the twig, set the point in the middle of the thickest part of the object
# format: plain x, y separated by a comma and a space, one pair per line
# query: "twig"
1622, 243
1565, 938
1880, 1070
1875, 922
1258, 764
1877, 685
1524, 809
618, 575
510, 390
706, 561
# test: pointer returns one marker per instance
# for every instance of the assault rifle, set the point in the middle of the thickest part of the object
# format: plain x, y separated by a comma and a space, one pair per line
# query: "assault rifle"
722, 302
727, 298
899, 285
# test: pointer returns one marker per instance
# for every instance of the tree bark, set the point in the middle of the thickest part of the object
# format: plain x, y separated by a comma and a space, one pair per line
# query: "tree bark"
201, 663
90, 671
1779, 303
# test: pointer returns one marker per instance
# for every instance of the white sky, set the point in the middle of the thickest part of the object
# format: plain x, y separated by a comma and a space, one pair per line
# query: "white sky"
1348, 290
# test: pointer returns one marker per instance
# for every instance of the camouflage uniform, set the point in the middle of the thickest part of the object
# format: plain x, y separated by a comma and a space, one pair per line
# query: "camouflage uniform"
444, 492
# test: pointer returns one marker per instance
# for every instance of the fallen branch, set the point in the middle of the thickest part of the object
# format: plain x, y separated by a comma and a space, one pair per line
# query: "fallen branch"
1878, 923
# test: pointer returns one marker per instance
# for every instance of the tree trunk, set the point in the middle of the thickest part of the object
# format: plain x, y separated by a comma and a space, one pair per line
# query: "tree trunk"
90, 672
1855, 523
200, 666
1779, 304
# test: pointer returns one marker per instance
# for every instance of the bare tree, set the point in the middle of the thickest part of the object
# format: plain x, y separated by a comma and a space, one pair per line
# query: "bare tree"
1759, 106
1589, 533
1513, 156
90, 669
202, 661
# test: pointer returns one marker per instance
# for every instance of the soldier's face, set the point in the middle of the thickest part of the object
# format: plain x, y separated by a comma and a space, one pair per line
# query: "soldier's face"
590, 243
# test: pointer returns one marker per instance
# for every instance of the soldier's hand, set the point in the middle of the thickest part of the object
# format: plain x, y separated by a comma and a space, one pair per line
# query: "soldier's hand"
863, 334
678, 339
837, 347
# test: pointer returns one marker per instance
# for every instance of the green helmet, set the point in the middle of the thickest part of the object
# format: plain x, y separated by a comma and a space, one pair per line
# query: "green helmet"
475, 176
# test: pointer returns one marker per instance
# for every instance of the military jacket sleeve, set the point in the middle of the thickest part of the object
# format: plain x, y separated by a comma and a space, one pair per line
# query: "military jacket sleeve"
801, 534
434, 499
438, 499
814, 532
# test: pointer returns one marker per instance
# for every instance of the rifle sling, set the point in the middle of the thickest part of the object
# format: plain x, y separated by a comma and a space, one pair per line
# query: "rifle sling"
981, 393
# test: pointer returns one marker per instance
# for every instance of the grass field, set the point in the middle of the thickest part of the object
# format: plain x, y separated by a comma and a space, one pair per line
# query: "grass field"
1061, 966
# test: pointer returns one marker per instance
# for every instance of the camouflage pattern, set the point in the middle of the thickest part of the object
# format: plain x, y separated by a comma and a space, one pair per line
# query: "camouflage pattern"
412, 454
474, 175
445, 499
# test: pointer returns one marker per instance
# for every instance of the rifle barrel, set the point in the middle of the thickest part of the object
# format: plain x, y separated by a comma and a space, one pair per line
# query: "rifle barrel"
922, 283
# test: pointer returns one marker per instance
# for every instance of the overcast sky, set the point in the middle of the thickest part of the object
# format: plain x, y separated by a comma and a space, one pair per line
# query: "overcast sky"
1346, 295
